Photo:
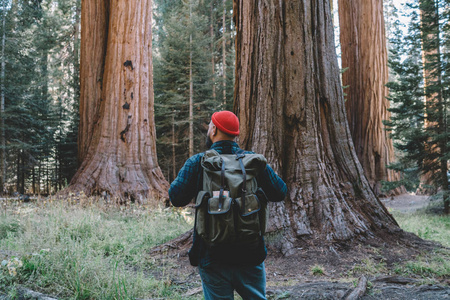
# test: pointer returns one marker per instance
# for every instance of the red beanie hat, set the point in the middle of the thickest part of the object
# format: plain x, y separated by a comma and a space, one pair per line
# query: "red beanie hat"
226, 121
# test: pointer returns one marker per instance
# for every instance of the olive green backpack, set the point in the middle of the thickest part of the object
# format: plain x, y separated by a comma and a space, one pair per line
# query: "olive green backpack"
231, 208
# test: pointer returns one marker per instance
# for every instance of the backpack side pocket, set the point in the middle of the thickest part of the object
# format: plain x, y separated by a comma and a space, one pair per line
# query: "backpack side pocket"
201, 218
249, 222
264, 212
221, 221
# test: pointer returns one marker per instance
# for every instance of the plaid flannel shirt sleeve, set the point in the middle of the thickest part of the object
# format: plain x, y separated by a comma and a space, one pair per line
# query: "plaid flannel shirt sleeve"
185, 186
272, 185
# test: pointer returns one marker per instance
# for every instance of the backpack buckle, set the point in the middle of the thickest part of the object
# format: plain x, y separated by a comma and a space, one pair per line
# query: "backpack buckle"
240, 155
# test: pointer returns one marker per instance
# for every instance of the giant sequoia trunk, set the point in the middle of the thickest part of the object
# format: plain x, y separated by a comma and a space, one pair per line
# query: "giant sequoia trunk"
94, 34
364, 54
117, 139
290, 103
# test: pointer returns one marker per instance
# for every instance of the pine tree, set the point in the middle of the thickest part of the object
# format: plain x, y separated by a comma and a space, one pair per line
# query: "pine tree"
183, 39
420, 127
39, 92
22, 93
65, 74
406, 96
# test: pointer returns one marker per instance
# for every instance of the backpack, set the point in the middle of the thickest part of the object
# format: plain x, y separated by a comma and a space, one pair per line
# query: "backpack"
231, 208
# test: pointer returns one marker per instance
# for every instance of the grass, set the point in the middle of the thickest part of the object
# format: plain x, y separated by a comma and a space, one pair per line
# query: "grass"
369, 266
86, 252
428, 225
317, 270
428, 265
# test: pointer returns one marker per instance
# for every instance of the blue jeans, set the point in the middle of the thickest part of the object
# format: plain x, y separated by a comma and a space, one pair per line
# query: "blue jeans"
220, 281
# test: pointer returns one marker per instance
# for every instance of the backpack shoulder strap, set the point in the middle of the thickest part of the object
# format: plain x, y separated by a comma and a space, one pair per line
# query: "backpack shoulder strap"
239, 155
212, 160
222, 184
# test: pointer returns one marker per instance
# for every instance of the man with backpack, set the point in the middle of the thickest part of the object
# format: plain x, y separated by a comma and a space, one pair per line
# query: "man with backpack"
231, 188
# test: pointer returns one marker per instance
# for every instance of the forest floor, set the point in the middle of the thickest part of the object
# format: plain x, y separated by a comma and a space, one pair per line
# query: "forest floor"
403, 269
117, 246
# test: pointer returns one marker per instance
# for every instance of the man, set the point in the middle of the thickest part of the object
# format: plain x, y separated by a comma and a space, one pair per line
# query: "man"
225, 269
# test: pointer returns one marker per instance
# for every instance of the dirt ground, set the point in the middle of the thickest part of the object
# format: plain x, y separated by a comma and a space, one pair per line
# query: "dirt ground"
341, 266
406, 203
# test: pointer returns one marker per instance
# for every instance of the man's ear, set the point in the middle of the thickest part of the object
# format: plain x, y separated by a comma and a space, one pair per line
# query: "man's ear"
214, 130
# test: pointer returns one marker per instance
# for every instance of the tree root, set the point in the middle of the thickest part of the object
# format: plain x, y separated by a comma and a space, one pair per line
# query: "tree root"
396, 280
175, 244
360, 289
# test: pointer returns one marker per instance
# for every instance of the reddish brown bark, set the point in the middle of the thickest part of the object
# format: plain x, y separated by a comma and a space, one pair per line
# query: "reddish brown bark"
117, 95
94, 34
289, 99
364, 55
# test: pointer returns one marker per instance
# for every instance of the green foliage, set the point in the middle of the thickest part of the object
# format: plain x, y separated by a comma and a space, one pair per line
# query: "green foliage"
410, 176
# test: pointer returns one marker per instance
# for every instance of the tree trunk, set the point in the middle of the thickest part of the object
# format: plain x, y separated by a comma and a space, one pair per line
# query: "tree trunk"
18, 172
211, 32
174, 161
22, 172
94, 35
191, 106
2, 107
191, 102
224, 53
121, 157
33, 180
76, 48
48, 177
289, 99
39, 177
364, 53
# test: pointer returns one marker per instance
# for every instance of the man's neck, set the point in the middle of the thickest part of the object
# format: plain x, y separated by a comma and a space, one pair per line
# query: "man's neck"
222, 139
